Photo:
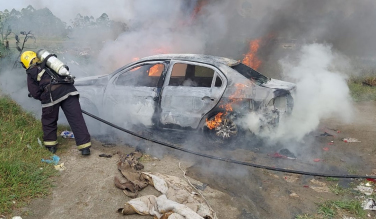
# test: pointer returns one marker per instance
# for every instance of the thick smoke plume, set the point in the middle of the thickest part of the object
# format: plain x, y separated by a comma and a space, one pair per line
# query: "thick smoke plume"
322, 90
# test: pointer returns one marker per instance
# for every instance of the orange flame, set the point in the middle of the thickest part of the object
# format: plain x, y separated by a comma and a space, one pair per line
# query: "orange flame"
211, 124
234, 98
250, 59
156, 70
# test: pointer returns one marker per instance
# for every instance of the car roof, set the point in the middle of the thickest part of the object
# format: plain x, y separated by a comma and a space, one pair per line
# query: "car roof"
194, 57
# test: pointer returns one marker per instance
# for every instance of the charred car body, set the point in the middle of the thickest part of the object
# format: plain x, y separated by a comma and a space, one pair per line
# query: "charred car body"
187, 92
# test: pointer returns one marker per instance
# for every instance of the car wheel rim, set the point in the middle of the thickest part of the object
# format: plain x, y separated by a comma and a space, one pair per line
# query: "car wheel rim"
227, 129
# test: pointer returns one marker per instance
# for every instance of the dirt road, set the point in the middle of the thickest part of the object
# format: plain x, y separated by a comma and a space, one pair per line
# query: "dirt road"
86, 189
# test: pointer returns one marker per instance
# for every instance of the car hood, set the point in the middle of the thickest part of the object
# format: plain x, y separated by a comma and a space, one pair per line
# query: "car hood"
278, 84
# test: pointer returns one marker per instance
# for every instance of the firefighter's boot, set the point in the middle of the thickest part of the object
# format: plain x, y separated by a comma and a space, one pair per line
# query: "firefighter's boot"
85, 151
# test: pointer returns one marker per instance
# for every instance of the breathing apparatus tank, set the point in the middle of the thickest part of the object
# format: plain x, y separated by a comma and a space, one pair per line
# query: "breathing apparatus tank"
53, 62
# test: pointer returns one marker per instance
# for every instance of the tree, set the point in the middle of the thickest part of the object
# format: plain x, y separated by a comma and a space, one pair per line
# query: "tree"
103, 20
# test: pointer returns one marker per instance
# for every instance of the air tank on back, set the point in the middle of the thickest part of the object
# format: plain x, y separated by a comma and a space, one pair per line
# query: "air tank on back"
53, 62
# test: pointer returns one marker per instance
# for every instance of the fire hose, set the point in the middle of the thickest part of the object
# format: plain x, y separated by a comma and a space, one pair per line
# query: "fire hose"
227, 159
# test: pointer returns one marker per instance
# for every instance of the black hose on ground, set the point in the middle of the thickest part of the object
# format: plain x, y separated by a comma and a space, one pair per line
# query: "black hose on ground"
227, 159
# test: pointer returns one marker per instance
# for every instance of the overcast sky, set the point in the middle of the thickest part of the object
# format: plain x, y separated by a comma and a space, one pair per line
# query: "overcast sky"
68, 9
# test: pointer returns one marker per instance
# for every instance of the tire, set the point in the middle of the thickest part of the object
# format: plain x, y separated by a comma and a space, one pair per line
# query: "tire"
225, 132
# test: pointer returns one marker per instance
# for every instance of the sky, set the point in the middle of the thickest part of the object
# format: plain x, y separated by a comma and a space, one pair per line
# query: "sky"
116, 9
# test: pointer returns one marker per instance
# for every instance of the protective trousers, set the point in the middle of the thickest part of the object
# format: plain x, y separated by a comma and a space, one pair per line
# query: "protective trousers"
72, 110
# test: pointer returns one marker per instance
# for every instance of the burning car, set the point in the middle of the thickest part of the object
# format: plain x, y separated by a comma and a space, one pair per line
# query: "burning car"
202, 93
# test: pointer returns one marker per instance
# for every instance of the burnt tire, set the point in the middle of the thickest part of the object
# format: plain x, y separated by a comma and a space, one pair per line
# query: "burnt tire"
225, 132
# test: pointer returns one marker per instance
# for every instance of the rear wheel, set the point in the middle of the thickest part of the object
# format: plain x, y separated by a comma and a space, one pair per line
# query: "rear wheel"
221, 129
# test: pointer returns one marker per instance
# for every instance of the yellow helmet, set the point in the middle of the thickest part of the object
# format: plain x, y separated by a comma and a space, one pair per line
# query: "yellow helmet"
27, 58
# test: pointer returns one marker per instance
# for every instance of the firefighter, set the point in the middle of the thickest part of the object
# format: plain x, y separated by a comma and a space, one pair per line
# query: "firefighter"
46, 85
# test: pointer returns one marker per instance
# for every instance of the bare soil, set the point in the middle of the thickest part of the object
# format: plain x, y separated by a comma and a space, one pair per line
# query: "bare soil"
86, 188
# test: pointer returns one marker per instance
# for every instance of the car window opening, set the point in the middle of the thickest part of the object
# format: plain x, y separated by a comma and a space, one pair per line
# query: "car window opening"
218, 82
146, 75
191, 75
250, 73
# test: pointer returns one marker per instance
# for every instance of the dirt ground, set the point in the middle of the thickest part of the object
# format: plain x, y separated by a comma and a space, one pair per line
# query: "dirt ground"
86, 188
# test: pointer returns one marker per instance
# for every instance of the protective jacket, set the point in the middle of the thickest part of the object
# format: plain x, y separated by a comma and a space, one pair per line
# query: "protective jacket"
41, 87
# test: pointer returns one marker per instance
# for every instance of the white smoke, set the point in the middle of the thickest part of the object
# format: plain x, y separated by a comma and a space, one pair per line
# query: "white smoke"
172, 32
13, 84
322, 91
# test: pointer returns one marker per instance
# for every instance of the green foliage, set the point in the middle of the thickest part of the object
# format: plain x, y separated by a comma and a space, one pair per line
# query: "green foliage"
22, 174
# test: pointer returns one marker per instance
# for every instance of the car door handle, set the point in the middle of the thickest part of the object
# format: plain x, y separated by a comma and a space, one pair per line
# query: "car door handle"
207, 98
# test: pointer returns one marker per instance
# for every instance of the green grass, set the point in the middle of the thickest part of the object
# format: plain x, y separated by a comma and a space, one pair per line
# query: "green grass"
360, 92
338, 190
329, 209
304, 216
332, 179
22, 174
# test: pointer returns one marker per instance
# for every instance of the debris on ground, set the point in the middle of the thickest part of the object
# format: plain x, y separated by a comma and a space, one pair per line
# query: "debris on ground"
40, 142
317, 160
325, 148
60, 167
369, 204
108, 145
105, 155
322, 187
200, 187
128, 165
287, 153
54, 160
336, 130
178, 199
277, 155
294, 195
291, 179
67, 134
350, 140
284, 153
325, 134
365, 188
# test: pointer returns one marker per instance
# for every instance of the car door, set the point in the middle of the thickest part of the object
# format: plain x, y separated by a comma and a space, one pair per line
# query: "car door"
190, 91
131, 96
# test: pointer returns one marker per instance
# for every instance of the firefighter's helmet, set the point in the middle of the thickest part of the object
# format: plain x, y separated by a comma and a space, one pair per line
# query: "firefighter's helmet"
27, 58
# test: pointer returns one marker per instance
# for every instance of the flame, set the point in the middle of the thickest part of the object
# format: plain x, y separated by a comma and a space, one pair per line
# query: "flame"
234, 98
156, 70
211, 124
250, 59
